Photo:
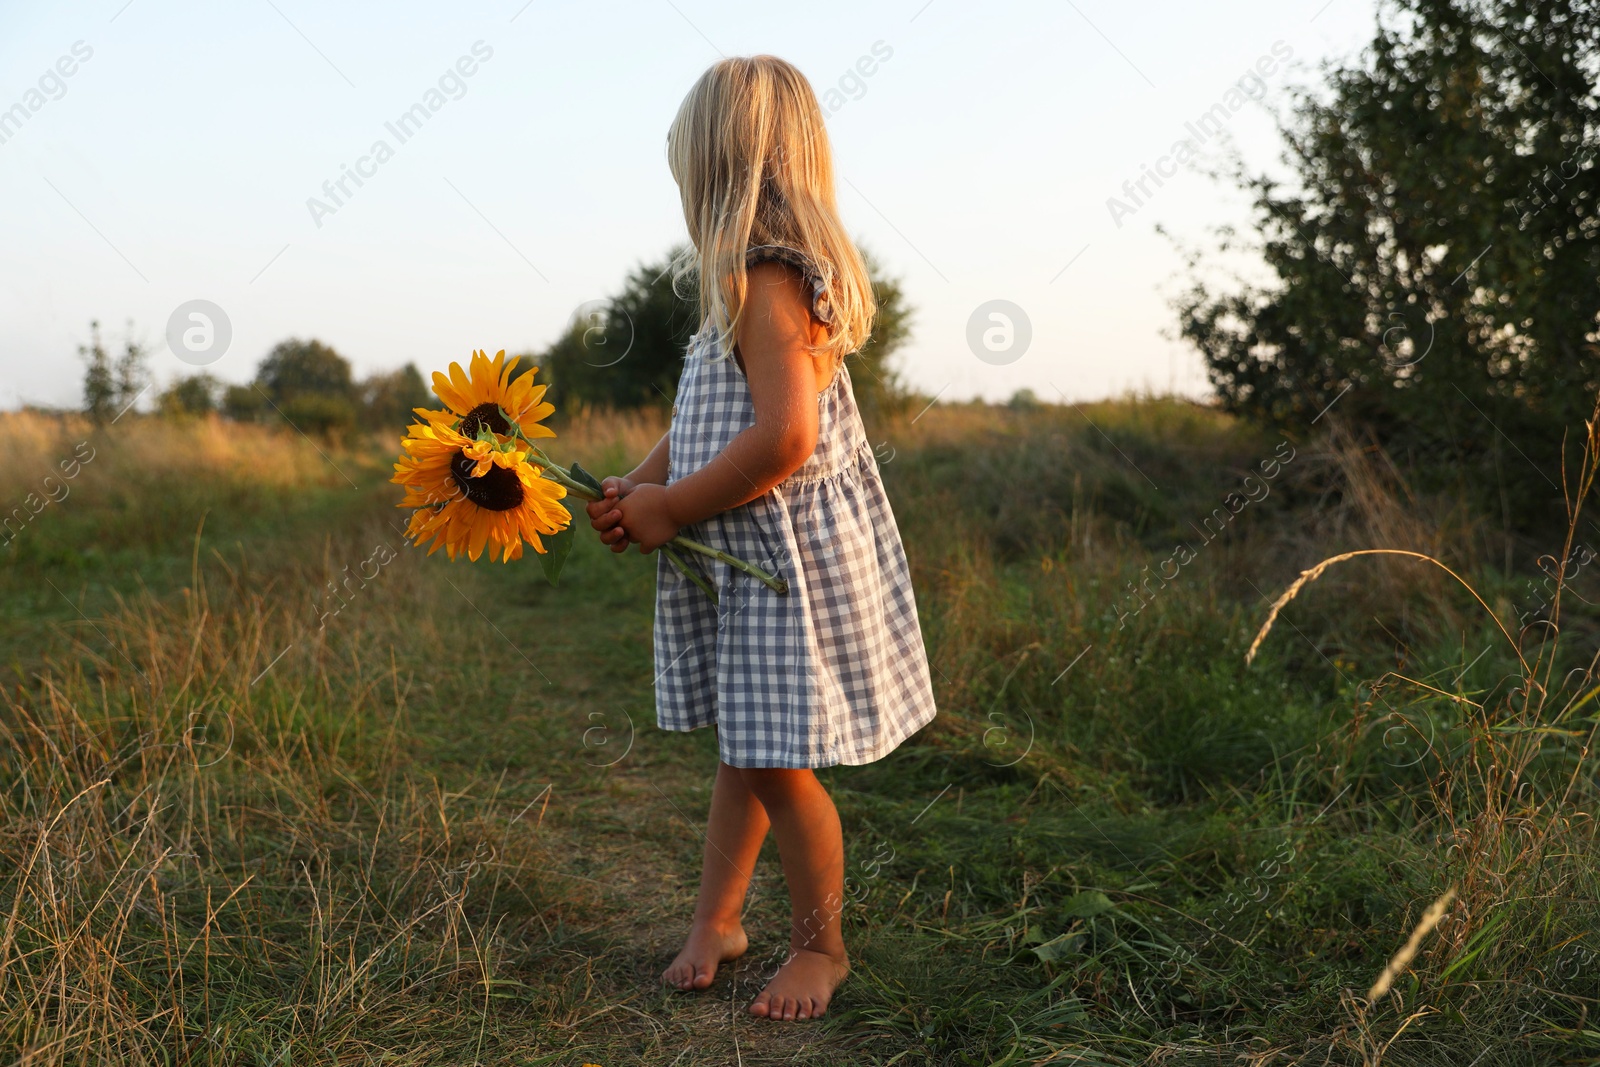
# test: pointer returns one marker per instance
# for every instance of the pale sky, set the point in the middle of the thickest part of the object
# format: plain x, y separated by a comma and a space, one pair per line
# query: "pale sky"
176, 160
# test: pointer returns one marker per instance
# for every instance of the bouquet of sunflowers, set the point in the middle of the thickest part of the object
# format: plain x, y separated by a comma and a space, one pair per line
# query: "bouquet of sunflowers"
476, 479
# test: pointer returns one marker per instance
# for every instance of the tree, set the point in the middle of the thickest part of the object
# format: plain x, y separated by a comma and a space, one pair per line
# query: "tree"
100, 379
295, 367
242, 403
189, 397
308, 384
387, 399
133, 376
628, 351
1436, 255
320, 413
878, 385
111, 385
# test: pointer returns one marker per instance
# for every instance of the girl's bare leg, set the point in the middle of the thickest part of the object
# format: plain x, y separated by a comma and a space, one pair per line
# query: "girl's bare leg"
734, 832
812, 849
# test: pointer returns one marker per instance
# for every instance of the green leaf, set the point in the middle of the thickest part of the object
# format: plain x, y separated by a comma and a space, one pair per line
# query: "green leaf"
1059, 947
1086, 905
557, 548
581, 475
1480, 942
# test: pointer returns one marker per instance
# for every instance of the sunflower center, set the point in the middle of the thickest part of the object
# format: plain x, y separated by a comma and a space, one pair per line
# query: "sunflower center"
484, 416
498, 490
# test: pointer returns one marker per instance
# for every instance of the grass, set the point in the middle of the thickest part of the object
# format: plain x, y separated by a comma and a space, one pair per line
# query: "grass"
278, 789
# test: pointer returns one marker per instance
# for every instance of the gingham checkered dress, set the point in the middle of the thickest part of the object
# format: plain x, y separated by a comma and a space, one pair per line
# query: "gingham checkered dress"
834, 672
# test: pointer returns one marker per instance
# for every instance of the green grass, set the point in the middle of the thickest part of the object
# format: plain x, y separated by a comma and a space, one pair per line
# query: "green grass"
439, 826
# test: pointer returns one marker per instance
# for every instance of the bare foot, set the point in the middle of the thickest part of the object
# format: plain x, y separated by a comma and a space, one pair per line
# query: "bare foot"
702, 951
802, 987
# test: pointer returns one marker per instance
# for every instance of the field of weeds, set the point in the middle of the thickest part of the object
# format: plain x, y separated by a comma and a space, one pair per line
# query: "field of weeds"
276, 788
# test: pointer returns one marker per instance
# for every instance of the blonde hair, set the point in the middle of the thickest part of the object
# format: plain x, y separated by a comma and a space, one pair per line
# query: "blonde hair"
750, 154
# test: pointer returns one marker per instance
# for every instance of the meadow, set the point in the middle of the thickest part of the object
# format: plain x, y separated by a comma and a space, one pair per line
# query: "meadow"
277, 788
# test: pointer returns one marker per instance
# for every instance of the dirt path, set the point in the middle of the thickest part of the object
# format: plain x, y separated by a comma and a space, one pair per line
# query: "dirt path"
623, 830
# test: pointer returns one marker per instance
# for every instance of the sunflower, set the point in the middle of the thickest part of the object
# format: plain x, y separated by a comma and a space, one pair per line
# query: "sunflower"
476, 479
487, 396
467, 471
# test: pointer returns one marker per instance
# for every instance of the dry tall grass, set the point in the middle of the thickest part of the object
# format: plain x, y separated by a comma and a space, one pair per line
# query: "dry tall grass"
218, 842
596, 435
214, 846
214, 842
138, 449
1512, 785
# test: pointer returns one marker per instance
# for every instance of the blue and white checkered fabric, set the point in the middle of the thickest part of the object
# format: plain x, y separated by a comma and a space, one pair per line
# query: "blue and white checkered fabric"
834, 672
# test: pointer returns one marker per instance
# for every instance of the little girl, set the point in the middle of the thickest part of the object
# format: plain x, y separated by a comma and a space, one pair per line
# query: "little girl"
766, 459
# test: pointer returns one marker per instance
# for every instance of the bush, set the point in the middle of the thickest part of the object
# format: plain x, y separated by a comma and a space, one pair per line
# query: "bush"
319, 413
1435, 253
387, 400
243, 404
189, 397
307, 384
296, 367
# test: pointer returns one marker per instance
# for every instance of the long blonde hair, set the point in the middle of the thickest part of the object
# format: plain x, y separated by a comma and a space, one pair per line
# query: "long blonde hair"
750, 154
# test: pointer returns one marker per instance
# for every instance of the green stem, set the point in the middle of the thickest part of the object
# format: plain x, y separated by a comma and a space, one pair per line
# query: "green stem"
689, 572
777, 585
558, 474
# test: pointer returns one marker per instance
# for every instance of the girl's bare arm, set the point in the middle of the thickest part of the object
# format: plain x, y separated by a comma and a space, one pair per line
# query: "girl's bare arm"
774, 338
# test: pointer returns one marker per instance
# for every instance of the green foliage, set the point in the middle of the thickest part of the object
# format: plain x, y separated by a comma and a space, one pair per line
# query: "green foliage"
388, 399
628, 352
319, 413
111, 384
189, 397
243, 403
878, 384
295, 367
99, 382
1114, 844
1023, 400
311, 386
305, 383
1435, 257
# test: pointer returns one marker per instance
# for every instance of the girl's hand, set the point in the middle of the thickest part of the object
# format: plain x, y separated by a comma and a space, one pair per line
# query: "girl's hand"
645, 517
605, 516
